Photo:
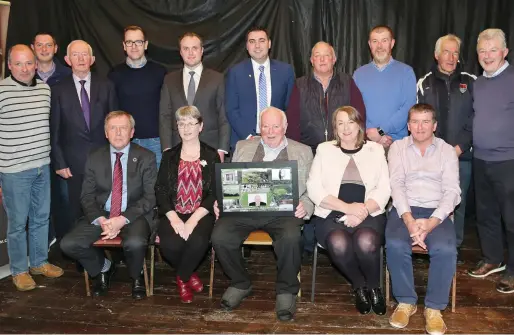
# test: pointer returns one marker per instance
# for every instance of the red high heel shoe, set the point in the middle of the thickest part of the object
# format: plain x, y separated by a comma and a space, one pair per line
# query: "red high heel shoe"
184, 291
195, 283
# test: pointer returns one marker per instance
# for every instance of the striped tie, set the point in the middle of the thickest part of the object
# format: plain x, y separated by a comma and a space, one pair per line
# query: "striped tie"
117, 187
263, 93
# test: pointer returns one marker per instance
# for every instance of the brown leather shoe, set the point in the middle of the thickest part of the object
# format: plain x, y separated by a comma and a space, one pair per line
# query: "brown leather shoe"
47, 270
23, 282
401, 315
434, 323
483, 269
506, 284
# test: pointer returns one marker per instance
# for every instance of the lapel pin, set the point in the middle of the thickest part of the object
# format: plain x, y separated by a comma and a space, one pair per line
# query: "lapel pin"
250, 75
134, 159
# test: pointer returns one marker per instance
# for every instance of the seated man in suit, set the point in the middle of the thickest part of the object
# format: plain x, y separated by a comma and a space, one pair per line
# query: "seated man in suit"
257, 202
424, 176
118, 199
254, 84
230, 232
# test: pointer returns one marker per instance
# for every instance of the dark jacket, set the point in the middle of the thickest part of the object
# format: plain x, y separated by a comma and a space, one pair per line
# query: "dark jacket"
167, 179
61, 71
452, 98
310, 110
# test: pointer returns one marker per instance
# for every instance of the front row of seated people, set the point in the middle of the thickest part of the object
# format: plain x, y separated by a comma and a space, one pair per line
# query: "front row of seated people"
344, 190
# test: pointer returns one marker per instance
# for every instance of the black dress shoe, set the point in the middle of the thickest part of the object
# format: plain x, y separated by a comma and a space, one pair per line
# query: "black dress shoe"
102, 282
362, 302
138, 288
377, 301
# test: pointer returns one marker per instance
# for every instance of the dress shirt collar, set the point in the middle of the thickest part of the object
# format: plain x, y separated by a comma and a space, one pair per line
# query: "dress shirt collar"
411, 143
391, 61
45, 75
125, 150
256, 65
77, 80
500, 70
136, 64
197, 69
277, 149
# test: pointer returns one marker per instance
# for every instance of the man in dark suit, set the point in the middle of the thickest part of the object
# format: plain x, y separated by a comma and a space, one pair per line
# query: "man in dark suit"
80, 103
194, 85
257, 202
118, 198
255, 84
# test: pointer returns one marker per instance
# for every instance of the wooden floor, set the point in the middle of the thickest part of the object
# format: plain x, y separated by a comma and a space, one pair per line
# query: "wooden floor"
60, 305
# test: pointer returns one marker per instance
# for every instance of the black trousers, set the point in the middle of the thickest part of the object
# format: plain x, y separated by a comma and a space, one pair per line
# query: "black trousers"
185, 256
77, 244
494, 189
75, 207
229, 234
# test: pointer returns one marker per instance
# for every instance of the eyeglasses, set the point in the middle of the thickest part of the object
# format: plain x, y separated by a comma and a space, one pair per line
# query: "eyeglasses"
139, 43
182, 125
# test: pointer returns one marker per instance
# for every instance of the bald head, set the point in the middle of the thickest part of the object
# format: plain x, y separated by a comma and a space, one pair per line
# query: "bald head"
323, 58
273, 126
22, 63
79, 55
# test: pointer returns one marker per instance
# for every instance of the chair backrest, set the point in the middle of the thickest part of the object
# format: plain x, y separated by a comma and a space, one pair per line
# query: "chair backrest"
115, 242
419, 250
258, 237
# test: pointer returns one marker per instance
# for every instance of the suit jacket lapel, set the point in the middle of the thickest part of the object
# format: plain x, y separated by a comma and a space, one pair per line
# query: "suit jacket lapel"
251, 83
204, 81
106, 157
74, 96
94, 91
132, 163
179, 84
274, 84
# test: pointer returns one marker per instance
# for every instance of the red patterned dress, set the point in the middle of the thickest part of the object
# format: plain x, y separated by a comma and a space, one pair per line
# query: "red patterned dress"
189, 190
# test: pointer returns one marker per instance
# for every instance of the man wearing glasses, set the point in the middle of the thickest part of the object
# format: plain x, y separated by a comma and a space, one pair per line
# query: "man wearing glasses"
138, 83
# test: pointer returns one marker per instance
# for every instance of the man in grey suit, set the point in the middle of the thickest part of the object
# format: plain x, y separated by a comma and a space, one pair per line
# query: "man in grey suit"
118, 197
194, 85
230, 232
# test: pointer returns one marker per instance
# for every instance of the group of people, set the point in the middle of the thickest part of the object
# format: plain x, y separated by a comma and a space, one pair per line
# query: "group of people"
72, 134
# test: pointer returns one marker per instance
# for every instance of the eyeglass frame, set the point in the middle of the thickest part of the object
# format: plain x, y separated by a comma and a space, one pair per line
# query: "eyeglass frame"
186, 125
130, 43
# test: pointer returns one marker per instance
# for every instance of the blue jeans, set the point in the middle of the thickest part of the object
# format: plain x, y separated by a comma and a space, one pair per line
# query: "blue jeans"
460, 210
27, 194
443, 259
152, 144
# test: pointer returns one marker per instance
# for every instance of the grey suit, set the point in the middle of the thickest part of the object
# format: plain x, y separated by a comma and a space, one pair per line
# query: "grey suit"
210, 101
141, 177
230, 232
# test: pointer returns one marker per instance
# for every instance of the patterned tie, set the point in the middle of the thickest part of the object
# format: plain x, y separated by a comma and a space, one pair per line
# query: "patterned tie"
117, 187
84, 99
191, 89
263, 93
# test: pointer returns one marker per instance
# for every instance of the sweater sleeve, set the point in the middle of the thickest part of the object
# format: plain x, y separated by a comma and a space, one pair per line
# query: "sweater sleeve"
356, 100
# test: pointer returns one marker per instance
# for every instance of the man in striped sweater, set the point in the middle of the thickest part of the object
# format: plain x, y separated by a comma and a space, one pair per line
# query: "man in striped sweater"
24, 167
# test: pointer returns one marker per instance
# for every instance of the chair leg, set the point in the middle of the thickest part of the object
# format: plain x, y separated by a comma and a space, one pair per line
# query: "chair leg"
86, 278
145, 274
314, 264
299, 295
211, 279
388, 286
152, 267
159, 256
454, 292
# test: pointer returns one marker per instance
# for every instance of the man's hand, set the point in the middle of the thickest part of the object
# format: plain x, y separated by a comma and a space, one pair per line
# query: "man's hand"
65, 173
458, 150
300, 211
358, 209
373, 134
102, 222
386, 141
222, 155
113, 227
416, 233
216, 210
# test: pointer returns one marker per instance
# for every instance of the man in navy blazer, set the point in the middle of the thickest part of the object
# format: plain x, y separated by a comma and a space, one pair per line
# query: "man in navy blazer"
255, 84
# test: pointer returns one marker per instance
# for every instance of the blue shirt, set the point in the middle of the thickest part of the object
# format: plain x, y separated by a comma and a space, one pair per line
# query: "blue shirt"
388, 95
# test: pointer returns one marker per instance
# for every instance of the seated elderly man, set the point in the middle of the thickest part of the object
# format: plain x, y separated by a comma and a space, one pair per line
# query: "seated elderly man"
118, 198
230, 232
424, 175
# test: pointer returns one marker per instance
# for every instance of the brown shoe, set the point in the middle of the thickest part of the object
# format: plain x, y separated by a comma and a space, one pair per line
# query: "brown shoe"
483, 269
23, 282
434, 323
47, 270
401, 315
506, 284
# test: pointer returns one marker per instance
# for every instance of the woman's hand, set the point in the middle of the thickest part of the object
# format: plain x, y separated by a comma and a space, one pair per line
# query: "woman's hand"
189, 226
357, 209
176, 223
352, 221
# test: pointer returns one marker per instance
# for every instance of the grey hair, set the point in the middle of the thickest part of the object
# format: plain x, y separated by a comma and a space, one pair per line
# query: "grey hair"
119, 113
492, 33
88, 46
188, 111
282, 113
442, 39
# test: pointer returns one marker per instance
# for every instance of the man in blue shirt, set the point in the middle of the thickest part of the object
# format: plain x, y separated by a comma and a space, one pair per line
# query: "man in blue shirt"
388, 88
116, 203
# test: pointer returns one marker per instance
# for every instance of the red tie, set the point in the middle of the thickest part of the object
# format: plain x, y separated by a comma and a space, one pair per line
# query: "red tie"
117, 186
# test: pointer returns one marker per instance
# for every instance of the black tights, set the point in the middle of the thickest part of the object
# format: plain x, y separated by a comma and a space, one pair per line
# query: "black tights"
356, 255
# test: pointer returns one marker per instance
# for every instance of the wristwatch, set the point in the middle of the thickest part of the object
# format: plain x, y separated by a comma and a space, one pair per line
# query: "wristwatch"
380, 131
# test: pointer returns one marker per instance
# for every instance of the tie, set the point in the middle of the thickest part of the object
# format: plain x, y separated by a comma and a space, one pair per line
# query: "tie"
263, 98
191, 89
84, 99
117, 186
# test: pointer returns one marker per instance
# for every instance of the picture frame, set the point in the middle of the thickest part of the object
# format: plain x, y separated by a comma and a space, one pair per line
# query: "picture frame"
257, 188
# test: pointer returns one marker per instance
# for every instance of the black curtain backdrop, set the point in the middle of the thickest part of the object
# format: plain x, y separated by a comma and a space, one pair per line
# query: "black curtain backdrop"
294, 26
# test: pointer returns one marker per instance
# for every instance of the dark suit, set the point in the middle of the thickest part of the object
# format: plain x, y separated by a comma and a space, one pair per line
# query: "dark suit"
141, 176
210, 101
71, 140
183, 255
261, 204
241, 97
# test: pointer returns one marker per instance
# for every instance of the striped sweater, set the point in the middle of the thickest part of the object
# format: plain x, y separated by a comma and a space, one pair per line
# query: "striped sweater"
24, 126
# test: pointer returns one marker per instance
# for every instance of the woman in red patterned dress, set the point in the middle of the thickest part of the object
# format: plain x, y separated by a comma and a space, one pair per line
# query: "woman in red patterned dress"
185, 191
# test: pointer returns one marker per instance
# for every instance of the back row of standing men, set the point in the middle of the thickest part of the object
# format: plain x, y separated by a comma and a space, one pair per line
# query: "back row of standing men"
382, 91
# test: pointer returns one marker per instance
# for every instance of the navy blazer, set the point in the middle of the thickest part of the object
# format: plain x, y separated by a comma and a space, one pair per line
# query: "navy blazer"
241, 97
